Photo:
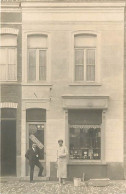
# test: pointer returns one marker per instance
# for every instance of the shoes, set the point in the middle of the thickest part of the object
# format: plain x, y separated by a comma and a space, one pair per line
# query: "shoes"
40, 176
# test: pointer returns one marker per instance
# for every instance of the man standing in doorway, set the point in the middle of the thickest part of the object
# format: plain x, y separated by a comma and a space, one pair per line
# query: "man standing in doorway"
33, 156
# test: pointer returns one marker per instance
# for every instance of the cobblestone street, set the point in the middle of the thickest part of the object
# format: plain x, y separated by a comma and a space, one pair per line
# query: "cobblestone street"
47, 187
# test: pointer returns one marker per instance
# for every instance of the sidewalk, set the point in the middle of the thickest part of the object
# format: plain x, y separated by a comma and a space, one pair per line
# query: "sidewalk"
18, 186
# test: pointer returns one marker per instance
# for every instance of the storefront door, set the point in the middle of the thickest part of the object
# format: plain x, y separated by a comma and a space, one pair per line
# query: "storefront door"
36, 134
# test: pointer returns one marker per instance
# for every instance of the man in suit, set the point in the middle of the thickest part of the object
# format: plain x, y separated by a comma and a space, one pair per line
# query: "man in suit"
33, 156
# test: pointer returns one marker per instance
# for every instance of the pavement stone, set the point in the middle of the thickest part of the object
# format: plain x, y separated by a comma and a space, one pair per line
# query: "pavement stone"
48, 187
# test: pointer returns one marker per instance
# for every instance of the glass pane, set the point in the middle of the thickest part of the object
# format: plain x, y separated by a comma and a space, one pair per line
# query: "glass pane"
36, 135
32, 65
11, 72
79, 72
3, 56
90, 57
12, 56
42, 65
79, 57
90, 73
85, 143
3, 72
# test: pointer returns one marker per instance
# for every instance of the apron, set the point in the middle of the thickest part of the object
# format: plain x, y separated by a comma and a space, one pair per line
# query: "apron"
62, 162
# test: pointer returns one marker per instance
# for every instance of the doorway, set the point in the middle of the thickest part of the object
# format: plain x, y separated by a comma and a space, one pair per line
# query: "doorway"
36, 134
8, 147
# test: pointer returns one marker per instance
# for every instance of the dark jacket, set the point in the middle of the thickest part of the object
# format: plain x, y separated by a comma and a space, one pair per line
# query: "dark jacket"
31, 155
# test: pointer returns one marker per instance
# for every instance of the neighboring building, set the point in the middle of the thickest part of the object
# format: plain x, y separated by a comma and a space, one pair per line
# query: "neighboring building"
70, 67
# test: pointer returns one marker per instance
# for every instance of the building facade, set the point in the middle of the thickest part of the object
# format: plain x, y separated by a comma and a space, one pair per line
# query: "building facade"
63, 77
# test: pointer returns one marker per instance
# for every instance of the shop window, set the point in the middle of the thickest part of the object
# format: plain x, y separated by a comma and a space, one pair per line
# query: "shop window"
37, 57
85, 135
85, 57
8, 58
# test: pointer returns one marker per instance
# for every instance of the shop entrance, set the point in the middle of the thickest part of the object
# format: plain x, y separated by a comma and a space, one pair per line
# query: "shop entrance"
36, 124
8, 147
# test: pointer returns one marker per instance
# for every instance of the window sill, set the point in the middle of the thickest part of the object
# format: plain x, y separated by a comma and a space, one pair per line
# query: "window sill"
84, 84
36, 84
79, 162
10, 82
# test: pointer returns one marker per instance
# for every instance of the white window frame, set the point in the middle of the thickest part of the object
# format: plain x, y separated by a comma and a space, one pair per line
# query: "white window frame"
7, 63
85, 64
72, 80
25, 36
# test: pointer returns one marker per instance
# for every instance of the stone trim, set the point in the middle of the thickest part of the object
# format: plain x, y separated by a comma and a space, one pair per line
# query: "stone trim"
9, 31
8, 105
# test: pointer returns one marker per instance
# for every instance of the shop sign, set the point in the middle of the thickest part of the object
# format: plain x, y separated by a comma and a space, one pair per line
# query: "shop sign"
36, 141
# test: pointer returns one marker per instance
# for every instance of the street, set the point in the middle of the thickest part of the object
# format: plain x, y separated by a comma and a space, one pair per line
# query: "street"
47, 187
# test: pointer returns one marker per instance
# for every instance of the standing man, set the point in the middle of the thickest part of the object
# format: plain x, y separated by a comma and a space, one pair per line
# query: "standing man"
62, 162
33, 156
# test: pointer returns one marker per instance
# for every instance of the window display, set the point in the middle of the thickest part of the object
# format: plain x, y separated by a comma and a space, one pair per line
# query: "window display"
85, 142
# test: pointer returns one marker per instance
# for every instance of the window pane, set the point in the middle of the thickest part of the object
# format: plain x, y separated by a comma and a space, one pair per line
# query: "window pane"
3, 56
79, 57
12, 56
32, 65
85, 142
79, 65
90, 73
3, 72
11, 72
90, 61
79, 72
90, 57
42, 65
3, 64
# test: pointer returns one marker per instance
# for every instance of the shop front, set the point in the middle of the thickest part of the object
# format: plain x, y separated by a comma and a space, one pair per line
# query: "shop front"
85, 135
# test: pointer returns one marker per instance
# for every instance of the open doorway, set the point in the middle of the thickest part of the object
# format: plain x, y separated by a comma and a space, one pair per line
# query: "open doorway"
8, 147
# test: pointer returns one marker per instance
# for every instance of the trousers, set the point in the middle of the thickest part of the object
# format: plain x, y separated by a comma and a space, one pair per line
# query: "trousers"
38, 164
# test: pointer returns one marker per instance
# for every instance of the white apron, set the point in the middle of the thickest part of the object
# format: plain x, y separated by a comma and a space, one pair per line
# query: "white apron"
62, 162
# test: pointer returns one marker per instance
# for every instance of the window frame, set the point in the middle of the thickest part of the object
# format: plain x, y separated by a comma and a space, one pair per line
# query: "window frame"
97, 81
103, 140
25, 59
85, 160
7, 63
84, 64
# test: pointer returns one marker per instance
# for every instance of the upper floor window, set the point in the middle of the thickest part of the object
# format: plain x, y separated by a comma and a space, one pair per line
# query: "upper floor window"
85, 57
37, 57
8, 57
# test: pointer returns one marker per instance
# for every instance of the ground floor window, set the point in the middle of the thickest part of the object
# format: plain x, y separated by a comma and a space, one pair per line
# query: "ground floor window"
85, 134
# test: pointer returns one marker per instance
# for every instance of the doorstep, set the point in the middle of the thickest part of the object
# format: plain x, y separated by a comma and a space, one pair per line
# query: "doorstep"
35, 178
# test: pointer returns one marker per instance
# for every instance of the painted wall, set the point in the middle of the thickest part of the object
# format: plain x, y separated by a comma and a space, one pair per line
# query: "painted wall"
60, 25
